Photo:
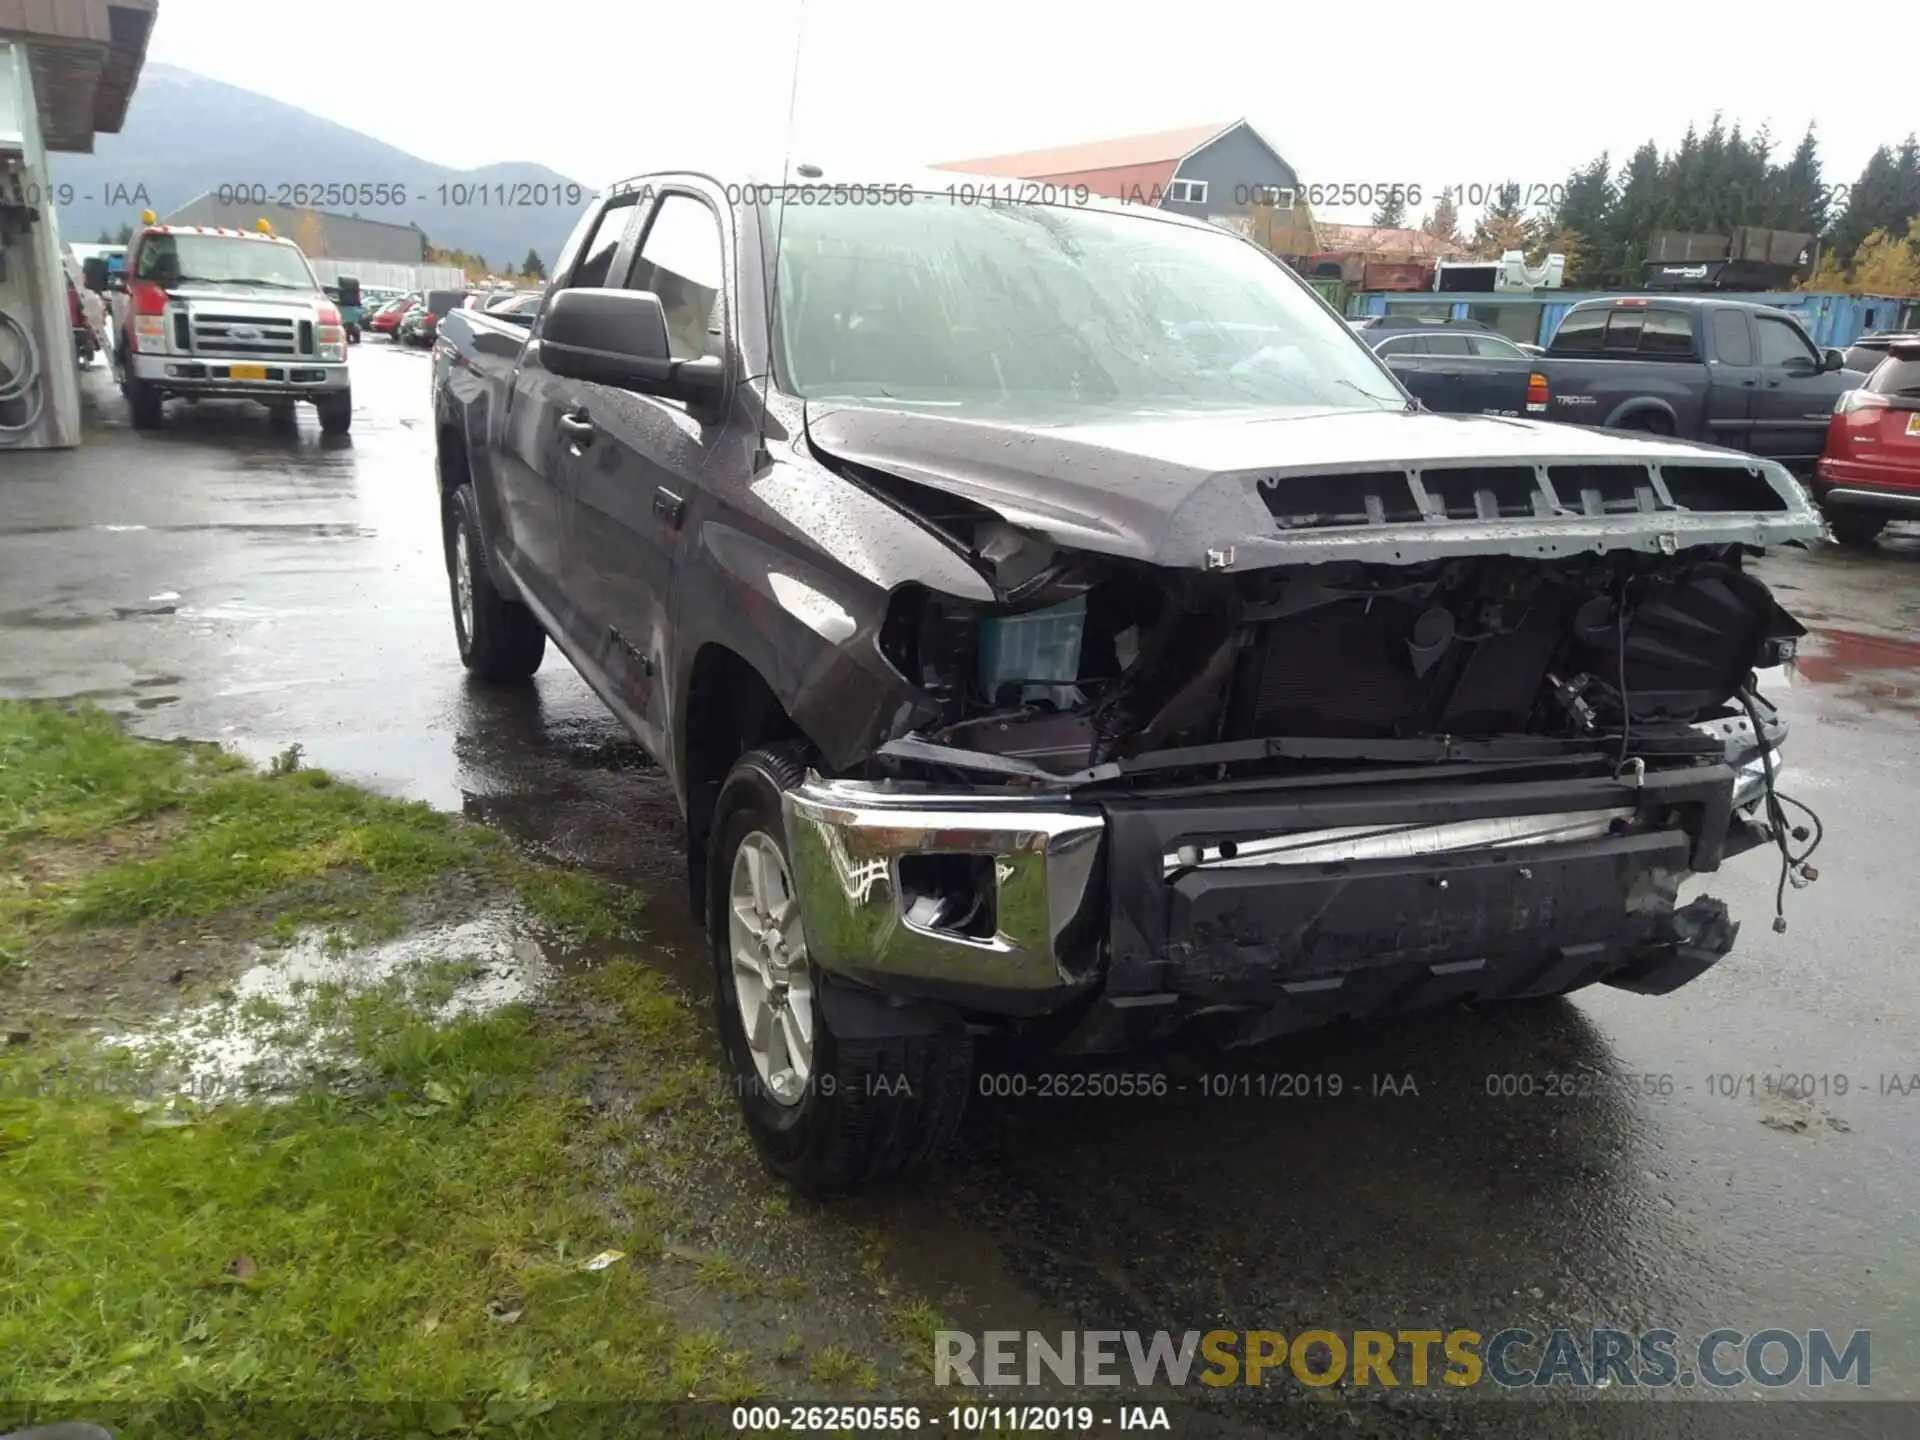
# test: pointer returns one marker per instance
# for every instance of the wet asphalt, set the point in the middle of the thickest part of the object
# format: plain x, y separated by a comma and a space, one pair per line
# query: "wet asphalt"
1741, 1153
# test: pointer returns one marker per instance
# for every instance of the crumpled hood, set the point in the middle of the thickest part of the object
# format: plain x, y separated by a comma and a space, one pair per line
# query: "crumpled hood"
1181, 490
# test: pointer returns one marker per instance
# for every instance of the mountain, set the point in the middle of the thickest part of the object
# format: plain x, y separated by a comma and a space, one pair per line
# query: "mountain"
186, 135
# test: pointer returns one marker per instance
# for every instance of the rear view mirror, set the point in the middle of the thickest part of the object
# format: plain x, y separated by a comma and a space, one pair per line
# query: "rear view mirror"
619, 338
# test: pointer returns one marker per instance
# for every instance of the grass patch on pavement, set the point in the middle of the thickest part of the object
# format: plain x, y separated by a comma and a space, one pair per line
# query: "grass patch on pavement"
421, 1236
461, 1229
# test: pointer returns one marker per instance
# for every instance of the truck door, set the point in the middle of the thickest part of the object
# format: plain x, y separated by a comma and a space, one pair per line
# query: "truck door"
638, 459
1733, 379
533, 450
1794, 399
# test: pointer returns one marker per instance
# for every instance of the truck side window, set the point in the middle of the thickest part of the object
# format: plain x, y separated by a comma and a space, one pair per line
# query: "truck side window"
1580, 333
1623, 331
681, 262
1781, 343
597, 256
1731, 342
1667, 333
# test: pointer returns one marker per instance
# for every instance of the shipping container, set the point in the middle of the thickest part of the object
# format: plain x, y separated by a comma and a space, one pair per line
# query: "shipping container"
1836, 320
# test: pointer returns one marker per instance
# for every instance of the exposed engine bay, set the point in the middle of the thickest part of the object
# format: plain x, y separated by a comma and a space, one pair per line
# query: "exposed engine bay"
1089, 660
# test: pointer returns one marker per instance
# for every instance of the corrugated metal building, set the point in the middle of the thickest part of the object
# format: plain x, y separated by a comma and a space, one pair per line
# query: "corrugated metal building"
318, 232
1830, 319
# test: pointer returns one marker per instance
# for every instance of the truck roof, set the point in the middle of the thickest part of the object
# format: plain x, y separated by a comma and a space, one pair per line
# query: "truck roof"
269, 239
1690, 302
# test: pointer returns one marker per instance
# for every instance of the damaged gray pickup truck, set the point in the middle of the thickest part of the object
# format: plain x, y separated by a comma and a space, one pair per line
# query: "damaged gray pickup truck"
1059, 627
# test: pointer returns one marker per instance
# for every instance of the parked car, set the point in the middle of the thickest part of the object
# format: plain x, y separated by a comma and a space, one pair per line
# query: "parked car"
1869, 350
347, 298
386, 320
1019, 676
1728, 372
230, 313
1870, 471
1441, 362
422, 322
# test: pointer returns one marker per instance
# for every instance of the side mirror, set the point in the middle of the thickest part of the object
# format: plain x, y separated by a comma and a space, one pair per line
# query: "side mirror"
619, 338
1831, 359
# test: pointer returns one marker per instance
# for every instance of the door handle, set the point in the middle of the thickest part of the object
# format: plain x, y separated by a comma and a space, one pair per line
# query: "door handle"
577, 427
668, 506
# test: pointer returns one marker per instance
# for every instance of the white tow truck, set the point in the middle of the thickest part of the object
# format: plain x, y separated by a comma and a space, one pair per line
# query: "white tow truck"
231, 314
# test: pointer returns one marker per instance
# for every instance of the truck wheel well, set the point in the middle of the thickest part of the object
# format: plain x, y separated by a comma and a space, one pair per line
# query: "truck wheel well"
1648, 418
453, 460
730, 710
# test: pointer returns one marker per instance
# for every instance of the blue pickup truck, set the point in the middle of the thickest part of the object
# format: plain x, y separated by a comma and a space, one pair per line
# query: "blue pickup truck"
1727, 372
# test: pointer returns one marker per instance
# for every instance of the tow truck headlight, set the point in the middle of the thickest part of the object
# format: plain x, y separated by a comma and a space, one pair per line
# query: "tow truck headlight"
150, 334
329, 335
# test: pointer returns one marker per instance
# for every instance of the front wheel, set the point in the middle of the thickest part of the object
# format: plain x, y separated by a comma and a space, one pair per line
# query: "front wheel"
825, 1113
143, 403
499, 638
336, 413
1856, 527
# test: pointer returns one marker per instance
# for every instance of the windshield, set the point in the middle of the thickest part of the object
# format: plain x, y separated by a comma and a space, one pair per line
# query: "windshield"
173, 260
960, 305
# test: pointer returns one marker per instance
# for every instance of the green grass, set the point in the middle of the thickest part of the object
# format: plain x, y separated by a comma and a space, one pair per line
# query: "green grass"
67, 773
75, 790
399, 1248
334, 1249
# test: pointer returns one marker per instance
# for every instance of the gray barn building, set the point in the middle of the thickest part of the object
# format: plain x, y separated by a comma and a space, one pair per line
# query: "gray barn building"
321, 233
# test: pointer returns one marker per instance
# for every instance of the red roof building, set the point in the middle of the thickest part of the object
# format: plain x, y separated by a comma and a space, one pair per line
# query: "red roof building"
1208, 171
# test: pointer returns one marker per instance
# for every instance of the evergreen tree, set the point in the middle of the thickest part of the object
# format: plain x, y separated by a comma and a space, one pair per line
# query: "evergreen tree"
1392, 213
1583, 212
125, 237
1802, 202
1500, 227
1872, 204
1635, 216
531, 266
1443, 221
105, 239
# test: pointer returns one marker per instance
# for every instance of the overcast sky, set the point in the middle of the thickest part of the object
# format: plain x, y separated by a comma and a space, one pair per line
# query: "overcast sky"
601, 89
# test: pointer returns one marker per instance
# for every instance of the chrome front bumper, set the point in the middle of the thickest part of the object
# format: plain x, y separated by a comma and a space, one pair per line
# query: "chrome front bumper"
847, 841
200, 375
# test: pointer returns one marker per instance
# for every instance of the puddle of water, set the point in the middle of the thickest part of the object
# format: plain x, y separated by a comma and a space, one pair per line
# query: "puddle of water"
1863, 665
280, 1025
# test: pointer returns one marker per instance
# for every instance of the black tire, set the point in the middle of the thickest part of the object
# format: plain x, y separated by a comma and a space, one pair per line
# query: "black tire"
143, 403
1856, 527
281, 416
870, 1108
504, 642
1648, 422
336, 414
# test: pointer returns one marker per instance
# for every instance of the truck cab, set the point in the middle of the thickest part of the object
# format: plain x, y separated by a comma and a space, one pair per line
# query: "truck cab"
236, 314
1729, 372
